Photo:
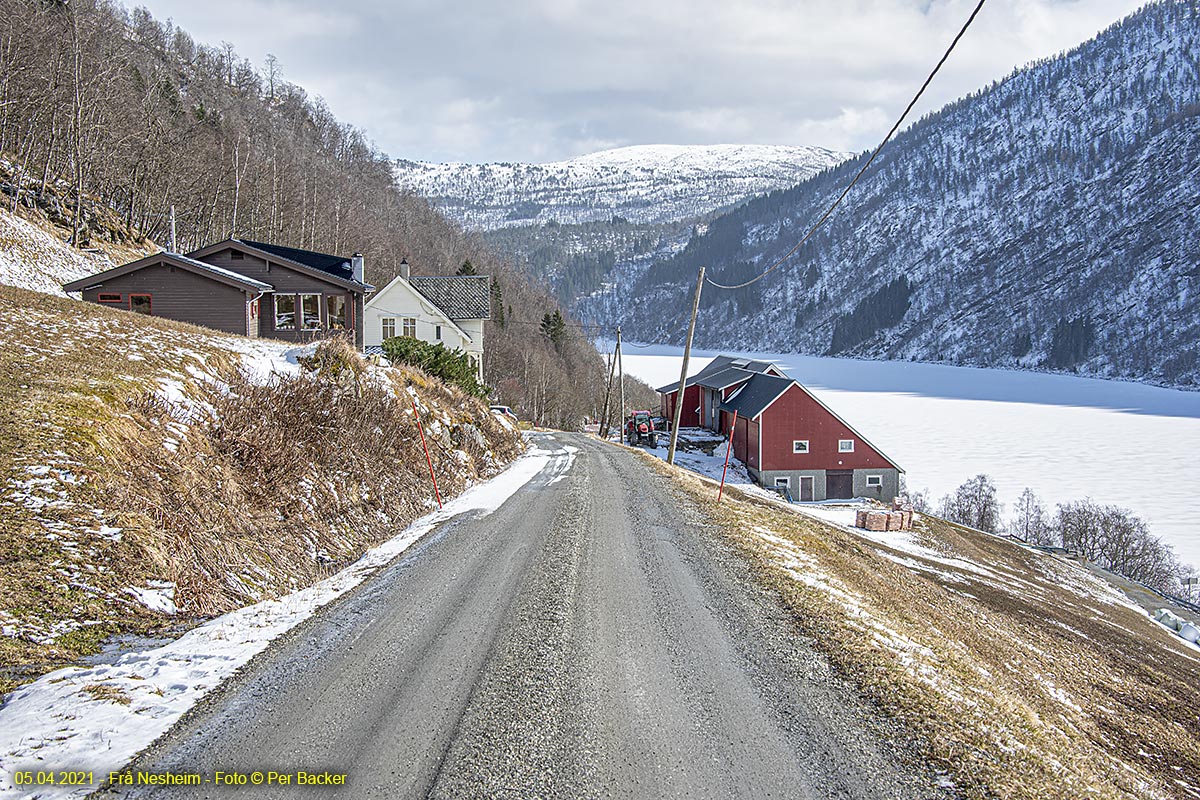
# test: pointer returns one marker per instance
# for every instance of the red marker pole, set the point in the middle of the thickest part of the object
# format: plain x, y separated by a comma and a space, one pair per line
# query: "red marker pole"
732, 429
428, 459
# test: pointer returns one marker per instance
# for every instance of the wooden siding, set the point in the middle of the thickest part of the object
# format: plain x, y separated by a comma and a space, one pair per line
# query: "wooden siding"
180, 295
691, 400
289, 281
753, 434
796, 415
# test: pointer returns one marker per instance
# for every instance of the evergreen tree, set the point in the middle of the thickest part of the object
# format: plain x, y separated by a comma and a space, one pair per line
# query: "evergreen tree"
497, 304
554, 327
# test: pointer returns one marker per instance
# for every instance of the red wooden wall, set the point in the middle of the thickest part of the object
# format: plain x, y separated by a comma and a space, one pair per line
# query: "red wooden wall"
797, 415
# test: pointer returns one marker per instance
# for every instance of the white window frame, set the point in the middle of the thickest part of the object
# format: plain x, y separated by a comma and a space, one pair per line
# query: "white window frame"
295, 312
408, 327
797, 444
786, 480
845, 445
437, 332
874, 481
812, 487
330, 300
300, 311
387, 327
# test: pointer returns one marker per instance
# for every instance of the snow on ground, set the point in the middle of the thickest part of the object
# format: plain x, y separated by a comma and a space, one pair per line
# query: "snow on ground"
1066, 438
31, 258
67, 718
901, 547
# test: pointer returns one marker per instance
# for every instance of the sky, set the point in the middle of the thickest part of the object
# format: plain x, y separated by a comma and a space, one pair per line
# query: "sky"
545, 80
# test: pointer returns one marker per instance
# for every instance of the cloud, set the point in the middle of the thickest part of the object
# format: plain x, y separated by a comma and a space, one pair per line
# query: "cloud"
536, 80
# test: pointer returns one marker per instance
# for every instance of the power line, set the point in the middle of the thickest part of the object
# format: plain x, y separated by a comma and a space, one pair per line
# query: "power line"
850, 186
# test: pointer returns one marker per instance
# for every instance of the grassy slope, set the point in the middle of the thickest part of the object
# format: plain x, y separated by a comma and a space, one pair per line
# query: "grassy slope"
238, 490
1025, 675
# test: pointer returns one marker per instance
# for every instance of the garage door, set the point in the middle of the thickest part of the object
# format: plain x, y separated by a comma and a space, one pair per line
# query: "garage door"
839, 484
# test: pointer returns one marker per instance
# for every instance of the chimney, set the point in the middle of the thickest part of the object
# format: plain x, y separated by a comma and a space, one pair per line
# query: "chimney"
356, 267
405, 270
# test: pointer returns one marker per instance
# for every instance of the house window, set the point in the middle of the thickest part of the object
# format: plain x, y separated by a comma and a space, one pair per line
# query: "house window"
874, 481
437, 332
410, 327
285, 312
139, 303
800, 446
335, 309
310, 310
845, 445
389, 327
109, 298
783, 482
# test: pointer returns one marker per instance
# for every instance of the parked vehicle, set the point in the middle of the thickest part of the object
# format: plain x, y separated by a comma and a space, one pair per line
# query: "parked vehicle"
639, 429
504, 411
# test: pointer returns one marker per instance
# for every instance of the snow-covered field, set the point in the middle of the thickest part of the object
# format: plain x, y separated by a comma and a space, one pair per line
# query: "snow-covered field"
70, 718
1066, 438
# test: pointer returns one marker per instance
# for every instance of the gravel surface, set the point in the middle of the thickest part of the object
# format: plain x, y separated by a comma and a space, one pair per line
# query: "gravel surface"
592, 638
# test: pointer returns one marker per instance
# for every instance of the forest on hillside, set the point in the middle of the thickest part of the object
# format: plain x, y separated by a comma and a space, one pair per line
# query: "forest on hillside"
108, 114
1046, 221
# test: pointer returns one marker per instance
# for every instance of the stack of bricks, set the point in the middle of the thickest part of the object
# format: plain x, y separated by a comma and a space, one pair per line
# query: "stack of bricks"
898, 519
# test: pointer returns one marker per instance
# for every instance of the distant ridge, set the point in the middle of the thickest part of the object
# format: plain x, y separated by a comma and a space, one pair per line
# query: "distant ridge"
641, 184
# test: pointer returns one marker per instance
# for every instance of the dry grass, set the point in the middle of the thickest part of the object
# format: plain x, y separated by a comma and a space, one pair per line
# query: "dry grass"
105, 693
246, 491
1025, 676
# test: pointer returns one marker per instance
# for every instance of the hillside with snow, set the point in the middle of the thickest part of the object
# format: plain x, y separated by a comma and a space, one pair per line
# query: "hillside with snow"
32, 258
644, 184
1045, 222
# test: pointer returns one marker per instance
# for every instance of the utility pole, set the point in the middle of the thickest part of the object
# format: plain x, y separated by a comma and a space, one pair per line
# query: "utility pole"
173, 245
687, 355
612, 368
621, 372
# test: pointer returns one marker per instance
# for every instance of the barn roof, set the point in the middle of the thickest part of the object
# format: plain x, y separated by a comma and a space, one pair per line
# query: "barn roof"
723, 379
719, 364
758, 393
458, 296
762, 390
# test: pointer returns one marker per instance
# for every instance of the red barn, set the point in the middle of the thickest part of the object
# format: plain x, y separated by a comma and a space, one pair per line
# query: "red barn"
693, 399
787, 437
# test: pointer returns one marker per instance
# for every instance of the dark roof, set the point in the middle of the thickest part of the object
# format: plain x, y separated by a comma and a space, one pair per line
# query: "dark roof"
337, 266
333, 269
758, 393
722, 379
223, 275
458, 296
719, 364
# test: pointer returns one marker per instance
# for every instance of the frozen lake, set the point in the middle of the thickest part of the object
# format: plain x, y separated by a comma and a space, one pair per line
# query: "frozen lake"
1064, 437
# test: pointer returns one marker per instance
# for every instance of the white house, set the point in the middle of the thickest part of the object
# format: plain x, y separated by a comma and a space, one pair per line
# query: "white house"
448, 310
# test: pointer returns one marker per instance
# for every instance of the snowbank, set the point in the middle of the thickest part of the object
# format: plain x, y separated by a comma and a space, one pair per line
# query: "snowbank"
60, 721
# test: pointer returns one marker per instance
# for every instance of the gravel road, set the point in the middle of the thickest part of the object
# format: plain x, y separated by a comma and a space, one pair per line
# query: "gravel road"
593, 637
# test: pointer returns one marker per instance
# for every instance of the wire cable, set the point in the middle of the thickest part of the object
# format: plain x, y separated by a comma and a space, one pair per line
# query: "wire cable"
850, 186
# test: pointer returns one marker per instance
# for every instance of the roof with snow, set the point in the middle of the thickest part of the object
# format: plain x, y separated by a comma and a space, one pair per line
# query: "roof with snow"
458, 296
224, 275
758, 393
723, 379
719, 364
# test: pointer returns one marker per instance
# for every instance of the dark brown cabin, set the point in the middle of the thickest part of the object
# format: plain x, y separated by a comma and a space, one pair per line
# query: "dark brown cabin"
243, 287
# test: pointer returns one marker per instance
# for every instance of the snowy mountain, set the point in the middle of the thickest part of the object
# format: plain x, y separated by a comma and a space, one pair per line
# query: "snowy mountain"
644, 184
1046, 222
